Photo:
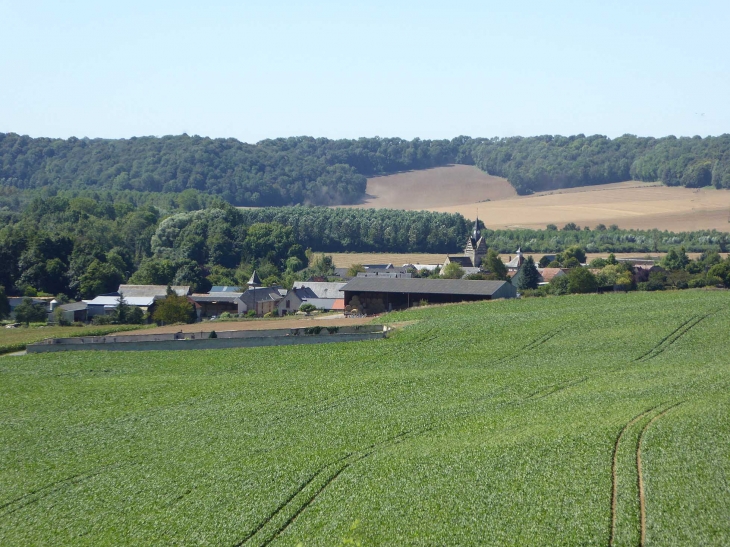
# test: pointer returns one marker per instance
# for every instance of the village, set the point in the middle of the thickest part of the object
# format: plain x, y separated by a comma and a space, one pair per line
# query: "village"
373, 289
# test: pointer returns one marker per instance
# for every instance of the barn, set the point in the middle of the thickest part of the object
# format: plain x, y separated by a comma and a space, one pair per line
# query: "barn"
378, 294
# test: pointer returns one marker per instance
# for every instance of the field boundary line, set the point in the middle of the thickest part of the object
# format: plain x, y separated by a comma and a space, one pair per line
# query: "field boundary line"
640, 479
614, 473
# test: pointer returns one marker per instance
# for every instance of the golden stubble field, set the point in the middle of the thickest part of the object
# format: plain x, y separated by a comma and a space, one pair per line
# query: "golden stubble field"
466, 190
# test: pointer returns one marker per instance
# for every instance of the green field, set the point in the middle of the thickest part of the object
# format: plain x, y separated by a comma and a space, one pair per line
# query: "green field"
504, 423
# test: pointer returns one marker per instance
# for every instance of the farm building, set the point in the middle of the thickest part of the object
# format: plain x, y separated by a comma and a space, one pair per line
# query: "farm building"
374, 269
394, 275
224, 288
74, 312
515, 263
402, 293
325, 296
15, 301
216, 303
262, 300
141, 296
546, 275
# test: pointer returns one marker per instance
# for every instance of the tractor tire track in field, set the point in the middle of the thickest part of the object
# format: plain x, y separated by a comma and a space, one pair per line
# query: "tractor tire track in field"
640, 479
38, 494
554, 389
614, 473
354, 457
673, 336
530, 346
302, 486
351, 458
653, 414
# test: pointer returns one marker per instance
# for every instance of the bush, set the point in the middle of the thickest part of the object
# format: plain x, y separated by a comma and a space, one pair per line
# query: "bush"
28, 312
559, 285
174, 309
582, 280
102, 320
212, 334
307, 308
270, 314
58, 316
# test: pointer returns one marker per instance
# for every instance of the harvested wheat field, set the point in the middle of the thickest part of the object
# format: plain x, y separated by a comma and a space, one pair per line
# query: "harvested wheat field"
465, 189
438, 187
345, 260
628, 204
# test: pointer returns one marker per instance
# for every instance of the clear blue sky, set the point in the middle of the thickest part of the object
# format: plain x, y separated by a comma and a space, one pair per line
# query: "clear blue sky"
255, 70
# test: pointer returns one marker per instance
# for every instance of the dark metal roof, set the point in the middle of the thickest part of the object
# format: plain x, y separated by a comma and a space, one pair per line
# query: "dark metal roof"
423, 286
219, 297
461, 260
74, 306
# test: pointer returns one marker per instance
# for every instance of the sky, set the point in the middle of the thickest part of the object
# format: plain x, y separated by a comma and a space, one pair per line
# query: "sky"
256, 70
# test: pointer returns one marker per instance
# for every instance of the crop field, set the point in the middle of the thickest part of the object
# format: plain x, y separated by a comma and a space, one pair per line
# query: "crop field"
583, 420
436, 187
465, 189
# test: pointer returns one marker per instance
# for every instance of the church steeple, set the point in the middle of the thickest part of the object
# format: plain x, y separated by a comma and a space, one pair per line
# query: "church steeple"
476, 233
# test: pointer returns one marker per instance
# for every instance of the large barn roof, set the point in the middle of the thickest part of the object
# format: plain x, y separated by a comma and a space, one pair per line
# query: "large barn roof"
134, 291
424, 286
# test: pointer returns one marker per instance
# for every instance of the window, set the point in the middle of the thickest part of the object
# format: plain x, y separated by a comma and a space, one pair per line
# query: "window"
288, 304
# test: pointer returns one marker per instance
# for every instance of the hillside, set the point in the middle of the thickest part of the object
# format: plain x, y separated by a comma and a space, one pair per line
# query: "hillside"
307, 170
633, 204
630, 205
437, 187
569, 421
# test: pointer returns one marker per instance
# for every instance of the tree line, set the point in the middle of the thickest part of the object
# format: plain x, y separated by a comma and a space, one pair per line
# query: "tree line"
319, 171
87, 245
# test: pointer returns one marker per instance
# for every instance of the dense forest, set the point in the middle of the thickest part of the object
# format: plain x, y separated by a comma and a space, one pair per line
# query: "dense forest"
318, 171
86, 245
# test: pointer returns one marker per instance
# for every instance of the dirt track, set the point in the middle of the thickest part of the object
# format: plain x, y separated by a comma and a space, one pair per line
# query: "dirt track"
255, 324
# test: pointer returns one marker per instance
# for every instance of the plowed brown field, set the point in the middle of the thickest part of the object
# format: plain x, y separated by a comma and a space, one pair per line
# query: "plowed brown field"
438, 187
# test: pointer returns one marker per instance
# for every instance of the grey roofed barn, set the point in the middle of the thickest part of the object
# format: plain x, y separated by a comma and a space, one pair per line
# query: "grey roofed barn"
224, 296
425, 286
316, 289
133, 291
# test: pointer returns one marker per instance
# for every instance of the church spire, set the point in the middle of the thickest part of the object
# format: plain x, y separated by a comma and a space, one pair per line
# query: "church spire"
476, 233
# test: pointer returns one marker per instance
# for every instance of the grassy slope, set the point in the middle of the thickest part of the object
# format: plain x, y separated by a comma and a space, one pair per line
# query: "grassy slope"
488, 423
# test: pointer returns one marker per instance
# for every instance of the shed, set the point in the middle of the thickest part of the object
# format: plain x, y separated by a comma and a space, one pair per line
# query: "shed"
74, 311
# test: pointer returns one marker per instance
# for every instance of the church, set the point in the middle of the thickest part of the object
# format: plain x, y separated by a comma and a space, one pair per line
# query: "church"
474, 253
